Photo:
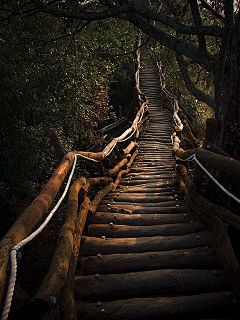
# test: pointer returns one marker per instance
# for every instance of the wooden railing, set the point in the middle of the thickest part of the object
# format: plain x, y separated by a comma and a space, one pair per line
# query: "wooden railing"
214, 214
60, 276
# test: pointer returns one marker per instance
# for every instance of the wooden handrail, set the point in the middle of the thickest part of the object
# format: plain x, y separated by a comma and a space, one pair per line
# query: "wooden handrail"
218, 161
34, 213
215, 215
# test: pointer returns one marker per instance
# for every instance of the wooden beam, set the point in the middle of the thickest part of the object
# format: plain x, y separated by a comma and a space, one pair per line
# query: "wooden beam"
99, 196
197, 258
91, 245
55, 278
214, 303
32, 215
68, 303
149, 283
125, 231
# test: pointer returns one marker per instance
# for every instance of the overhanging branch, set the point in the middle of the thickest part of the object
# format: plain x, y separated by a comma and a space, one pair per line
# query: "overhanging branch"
210, 9
178, 45
198, 94
137, 7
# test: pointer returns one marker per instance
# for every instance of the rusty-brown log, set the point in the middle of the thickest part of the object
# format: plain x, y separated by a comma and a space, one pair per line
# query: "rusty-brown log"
198, 205
135, 153
125, 231
99, 180
118, 179
211, 147
32, 215
215, 303
118, 166
146, 244
54, 280
179, 152
99, 196
225, 249
197, 258
154, 282
218, 161
68, 303
131, 146
185, 177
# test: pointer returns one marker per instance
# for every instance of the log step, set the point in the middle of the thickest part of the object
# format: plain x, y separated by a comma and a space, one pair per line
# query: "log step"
149, 283
139, 219
125, 231
138, 198
216, 304
92, 245
130, 209
198, 258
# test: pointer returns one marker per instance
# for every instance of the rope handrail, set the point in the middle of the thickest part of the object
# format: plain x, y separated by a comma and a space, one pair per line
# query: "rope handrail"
193, 152
72, 158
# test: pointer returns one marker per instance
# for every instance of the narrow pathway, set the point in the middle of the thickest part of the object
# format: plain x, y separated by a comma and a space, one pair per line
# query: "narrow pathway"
146, 256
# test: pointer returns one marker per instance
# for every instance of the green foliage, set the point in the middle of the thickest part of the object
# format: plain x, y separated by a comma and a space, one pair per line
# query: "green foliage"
56, 77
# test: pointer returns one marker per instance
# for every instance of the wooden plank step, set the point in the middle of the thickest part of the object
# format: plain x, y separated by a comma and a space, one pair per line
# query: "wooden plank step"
139, 198
150, 177
139, 219
135, 191
197, 258
140, 205
140, 209
214, 304
93, 245
126, 231
148, 183
139, 190
149, 283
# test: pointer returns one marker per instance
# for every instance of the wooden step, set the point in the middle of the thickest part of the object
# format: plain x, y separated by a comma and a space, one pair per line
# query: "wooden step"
140, 198
161, 282
214, 304
130, 209
139, 219
92, 246
125, 231
197, 258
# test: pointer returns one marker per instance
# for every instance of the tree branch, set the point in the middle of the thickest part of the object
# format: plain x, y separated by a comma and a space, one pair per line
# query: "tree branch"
222, 56
198, 94
198, 23
182, 47
132, 6
210, 9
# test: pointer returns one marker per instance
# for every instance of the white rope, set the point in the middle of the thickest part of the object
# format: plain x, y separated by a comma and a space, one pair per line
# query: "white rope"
19, 245
135, 126
214, 180
194, 157
14, 250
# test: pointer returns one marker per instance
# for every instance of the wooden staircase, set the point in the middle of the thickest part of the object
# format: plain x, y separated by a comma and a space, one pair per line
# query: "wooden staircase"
146, 256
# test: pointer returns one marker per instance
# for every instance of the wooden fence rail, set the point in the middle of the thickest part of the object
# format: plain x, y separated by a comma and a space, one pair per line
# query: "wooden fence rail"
61, 271
216, 215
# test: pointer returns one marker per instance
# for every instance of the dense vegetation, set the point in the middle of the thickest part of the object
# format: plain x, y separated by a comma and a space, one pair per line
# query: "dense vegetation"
65, 64
56, 75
